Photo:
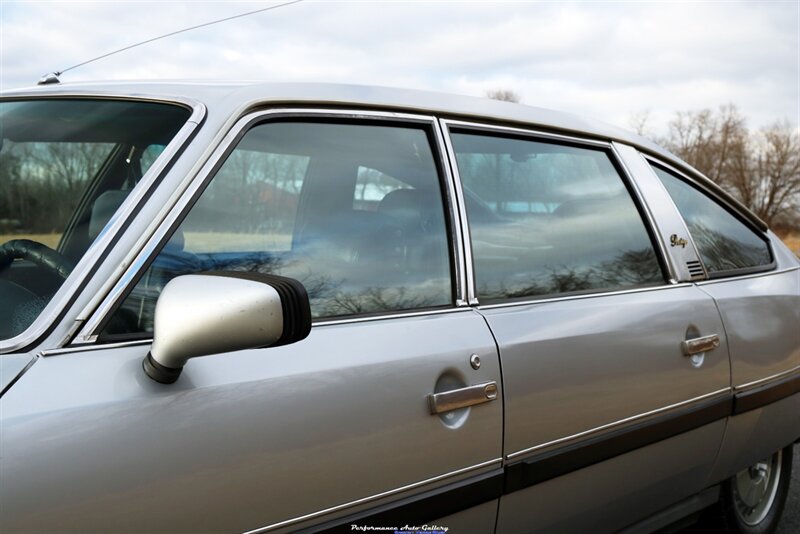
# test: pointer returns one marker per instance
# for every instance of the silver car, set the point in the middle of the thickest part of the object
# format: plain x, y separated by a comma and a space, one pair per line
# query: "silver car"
294, 307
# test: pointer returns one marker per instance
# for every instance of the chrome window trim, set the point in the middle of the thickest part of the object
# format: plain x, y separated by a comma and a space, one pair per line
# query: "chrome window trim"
321, 323
626, 176
454, 203
617, 423
87, 348
546, 299
469, 272
739, 212
66, 293
371, 498
525, 132
197, 181
384, 316
747, 276
771, 378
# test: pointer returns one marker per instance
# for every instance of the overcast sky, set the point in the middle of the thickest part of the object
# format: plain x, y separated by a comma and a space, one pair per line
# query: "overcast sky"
607, 60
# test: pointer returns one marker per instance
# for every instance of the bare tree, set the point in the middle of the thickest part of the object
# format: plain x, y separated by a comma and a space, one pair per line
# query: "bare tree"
639, 122
709, 141
506, 95
772, 187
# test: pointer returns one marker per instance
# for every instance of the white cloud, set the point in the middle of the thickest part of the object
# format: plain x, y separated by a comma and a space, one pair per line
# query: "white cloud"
603, 59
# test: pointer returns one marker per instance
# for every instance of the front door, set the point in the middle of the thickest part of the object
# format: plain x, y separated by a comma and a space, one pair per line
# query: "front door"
326, 431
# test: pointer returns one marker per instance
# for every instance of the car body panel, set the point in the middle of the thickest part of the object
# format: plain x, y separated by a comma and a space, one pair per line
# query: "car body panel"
581, 373
88, 440
11, 367
760, 316
610, 495
248, 439
601, 360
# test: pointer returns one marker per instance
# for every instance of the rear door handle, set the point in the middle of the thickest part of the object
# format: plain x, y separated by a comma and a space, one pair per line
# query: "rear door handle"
700, 344
454, 399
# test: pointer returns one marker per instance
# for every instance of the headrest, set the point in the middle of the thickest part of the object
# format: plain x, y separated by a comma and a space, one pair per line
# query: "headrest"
404, 204
103, 209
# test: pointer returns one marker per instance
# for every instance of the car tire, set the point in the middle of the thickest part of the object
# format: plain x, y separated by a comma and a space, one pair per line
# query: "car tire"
752, 500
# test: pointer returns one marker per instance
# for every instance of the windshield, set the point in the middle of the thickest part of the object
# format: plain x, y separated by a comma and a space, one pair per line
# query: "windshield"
66, 165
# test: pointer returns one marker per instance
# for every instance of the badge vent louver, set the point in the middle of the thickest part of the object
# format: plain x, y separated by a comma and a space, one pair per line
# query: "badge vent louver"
695, 269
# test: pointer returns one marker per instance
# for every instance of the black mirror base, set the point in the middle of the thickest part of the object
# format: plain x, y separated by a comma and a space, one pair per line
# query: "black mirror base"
158, 372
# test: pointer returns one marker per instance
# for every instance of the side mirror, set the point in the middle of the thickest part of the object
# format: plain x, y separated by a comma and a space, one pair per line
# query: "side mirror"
202, 314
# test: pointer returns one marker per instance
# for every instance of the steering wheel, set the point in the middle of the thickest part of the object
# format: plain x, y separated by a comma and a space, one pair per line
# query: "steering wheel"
36, 252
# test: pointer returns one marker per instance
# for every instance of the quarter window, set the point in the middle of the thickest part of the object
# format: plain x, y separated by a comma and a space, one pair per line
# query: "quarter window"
724, 242
548, 218
353, 211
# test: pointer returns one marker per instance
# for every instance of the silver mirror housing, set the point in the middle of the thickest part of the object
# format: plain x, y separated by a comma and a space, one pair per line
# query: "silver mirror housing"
202, 314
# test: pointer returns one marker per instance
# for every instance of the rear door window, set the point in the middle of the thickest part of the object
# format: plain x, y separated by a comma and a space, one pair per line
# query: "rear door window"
548, 218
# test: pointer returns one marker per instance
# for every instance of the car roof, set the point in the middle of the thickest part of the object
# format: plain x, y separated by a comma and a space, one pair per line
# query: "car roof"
248, 94
231, 98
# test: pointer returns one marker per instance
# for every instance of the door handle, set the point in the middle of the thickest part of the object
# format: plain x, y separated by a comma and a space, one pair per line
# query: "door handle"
700, 344
454, 399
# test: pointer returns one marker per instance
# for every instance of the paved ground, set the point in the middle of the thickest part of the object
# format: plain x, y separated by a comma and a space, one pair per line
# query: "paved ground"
791, 515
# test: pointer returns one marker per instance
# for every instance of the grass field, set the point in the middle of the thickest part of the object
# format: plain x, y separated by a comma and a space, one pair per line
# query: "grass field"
195, 241
51, 240
236, 242
793, 242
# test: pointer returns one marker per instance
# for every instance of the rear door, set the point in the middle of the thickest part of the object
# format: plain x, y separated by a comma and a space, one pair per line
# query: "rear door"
608, 417
325, 432
755, 283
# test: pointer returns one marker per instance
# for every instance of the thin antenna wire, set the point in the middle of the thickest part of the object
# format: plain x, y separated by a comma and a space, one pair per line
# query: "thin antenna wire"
240, 15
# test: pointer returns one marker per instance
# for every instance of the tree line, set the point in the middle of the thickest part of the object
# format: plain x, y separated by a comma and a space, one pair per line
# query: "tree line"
41, 183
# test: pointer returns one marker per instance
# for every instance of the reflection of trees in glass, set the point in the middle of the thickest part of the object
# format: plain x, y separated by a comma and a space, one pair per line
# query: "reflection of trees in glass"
378, 299
335, 292
631, 268
330, 296
628, 269
724, 242
723, 253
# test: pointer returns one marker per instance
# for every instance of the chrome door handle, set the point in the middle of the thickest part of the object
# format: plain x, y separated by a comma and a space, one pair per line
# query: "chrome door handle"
700, 344
454, 399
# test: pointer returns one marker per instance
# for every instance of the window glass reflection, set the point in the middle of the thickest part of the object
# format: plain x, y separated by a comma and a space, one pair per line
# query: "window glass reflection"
724, 243
352, 211
547, 219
